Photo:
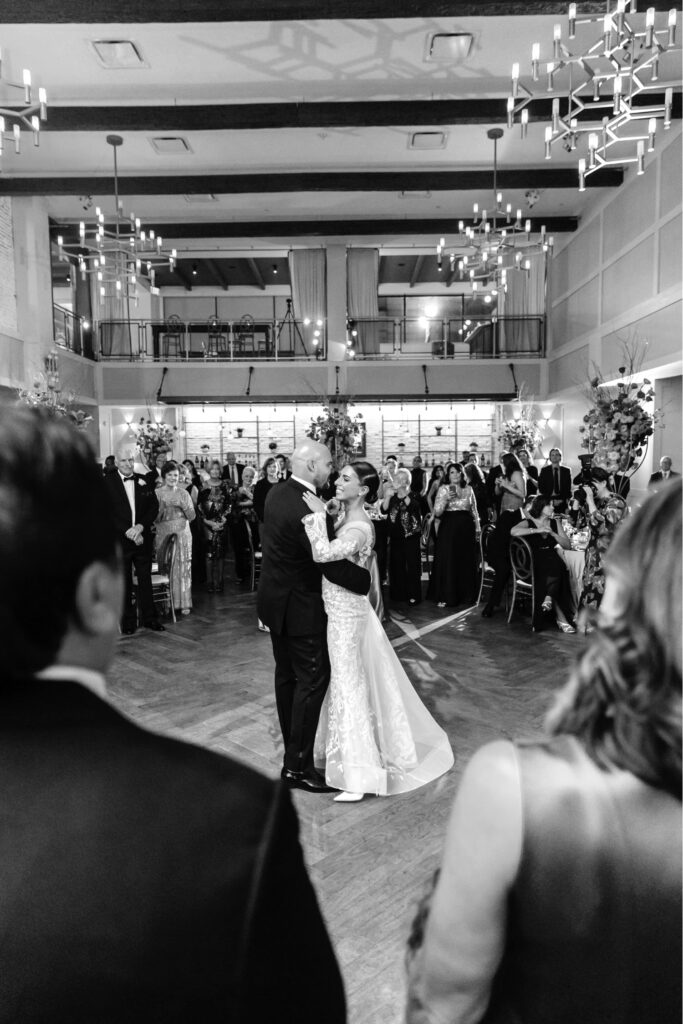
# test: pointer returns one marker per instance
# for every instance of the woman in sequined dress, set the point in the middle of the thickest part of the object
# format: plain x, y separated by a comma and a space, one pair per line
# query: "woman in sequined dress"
176, 512
454, 573
375, 734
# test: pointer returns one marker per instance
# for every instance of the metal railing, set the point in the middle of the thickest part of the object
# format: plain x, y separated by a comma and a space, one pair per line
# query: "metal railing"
473, 337
175, 340
72, 332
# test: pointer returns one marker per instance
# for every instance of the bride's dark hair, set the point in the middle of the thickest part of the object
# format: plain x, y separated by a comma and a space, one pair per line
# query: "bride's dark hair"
368, 477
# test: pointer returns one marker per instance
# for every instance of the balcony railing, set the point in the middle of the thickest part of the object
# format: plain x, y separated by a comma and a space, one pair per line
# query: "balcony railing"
389, 338
72, 332
230, 340
455, 338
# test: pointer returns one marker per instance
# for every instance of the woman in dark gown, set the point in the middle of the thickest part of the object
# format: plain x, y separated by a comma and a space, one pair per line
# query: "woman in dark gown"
405, 523
214, 507
454, 572
552, 590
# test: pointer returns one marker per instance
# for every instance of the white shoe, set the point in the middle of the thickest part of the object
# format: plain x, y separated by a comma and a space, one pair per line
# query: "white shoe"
348, 798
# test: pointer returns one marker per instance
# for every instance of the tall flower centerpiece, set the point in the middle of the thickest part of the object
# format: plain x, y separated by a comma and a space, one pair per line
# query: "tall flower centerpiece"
343, 434
522, 430
154, 439
618, 426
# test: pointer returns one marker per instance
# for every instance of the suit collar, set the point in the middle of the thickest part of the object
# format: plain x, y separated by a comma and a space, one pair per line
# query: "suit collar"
302, 483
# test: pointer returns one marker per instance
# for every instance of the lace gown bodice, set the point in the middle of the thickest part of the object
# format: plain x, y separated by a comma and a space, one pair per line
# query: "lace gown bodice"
374, 735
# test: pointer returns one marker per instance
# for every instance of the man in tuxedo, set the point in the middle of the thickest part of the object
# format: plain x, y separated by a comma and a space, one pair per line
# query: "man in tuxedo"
134, 508
555, 480
142, 878
232, 471
153, 476
290, 603
666, 473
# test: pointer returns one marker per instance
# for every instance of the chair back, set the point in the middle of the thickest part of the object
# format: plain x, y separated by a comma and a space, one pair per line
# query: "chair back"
166, 554
522, 560
486, 534
214, 325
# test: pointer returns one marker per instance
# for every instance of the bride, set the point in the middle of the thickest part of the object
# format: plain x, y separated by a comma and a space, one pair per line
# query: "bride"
375, 735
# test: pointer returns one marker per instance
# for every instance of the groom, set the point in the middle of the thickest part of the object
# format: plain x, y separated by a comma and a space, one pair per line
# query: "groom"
290, 604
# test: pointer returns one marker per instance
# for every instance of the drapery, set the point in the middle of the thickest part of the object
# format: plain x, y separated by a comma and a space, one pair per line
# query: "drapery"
525, 296
362, 280
309, 291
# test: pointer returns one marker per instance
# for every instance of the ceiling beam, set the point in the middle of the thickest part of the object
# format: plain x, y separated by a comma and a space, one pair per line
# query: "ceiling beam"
259, 116
345, 228
217, 274
417, 267
187, 281
323, 181
256, 273
175, 11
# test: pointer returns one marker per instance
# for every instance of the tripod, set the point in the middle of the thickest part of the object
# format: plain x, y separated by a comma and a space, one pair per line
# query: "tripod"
293, 331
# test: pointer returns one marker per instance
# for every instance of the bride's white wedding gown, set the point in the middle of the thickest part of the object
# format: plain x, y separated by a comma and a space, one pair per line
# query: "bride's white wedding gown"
375, 735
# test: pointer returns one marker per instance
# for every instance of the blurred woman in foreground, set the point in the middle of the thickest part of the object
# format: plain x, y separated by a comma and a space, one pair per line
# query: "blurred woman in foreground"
559, 897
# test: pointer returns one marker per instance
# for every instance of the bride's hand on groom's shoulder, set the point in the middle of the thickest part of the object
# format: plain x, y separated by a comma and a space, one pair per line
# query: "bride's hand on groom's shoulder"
314, 503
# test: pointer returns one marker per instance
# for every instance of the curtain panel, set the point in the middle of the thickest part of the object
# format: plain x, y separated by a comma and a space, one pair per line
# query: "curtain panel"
307, 274
362, 283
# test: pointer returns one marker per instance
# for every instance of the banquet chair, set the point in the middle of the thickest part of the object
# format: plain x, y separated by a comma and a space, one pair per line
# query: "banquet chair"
162, 573
244, 332
486, 571
217, 341
522, 561
173, 336
255, 558
427, 546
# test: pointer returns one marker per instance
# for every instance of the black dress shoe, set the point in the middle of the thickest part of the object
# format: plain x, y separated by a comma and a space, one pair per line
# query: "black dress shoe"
311, 781
156, 626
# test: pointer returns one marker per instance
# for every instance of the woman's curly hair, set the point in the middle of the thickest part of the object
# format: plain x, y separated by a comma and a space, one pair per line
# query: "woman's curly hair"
623, 699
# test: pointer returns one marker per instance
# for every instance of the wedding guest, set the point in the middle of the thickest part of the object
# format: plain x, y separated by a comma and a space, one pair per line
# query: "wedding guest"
418, 484
511, 488
143, 878
193, 484
494, 494
109, 465
243, 518
605, 510
555, 480
405, 522
213, 507
381, 522
530, 470
475, 479
176, 512
665, 474
552, 590
559, 895
283, 463
270, 474
454, 572
153, 477
435, 481
134, 507
232, 470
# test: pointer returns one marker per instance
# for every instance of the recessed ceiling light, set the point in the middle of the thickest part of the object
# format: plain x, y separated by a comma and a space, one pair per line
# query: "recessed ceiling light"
170, 145
427, 140
450, 47
115, 54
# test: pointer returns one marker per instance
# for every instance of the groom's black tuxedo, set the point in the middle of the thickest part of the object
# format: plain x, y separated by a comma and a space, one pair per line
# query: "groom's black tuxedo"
143, 879
290, 603
146, 510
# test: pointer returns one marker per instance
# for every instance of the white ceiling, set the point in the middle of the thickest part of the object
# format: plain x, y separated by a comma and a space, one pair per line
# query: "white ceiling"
275, 62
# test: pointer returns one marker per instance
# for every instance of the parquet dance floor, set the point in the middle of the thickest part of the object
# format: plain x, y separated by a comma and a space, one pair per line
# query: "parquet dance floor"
208, 679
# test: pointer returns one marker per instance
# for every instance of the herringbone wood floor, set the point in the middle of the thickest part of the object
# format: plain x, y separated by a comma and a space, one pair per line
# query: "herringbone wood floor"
208, 679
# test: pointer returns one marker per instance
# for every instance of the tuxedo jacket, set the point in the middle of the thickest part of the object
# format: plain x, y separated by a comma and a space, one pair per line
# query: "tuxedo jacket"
146, 506
239, 466
289, 594
658, 478
143, 879
546, 482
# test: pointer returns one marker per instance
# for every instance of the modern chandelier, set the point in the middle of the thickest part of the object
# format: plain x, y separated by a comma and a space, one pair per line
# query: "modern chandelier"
117, 257
600, 87
25, 113
495, 243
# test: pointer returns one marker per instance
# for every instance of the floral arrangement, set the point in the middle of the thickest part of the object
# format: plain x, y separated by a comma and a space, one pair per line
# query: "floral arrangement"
342, 433
617, 427
522, 431
154, 439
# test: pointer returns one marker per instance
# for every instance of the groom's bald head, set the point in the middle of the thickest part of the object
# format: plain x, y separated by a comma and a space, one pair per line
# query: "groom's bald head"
312, 461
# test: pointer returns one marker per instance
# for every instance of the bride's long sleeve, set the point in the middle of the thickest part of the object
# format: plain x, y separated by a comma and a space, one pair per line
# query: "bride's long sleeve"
326, 550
